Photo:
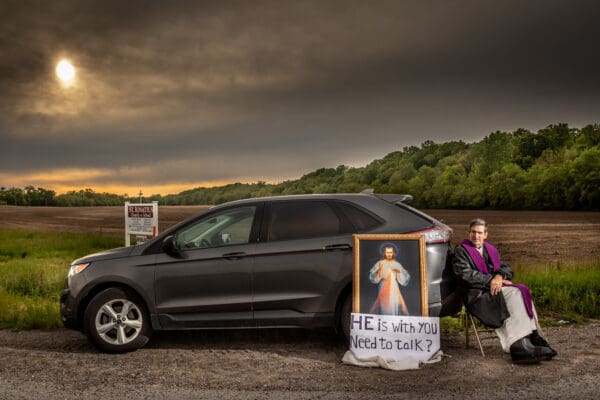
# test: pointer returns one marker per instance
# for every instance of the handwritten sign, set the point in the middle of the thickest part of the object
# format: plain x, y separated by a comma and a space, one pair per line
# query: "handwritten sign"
393, 337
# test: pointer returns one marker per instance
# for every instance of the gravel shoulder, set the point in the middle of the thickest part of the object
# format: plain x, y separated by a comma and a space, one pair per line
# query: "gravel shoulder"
274, 364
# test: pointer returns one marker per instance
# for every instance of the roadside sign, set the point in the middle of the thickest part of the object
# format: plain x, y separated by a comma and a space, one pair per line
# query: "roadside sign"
141, 220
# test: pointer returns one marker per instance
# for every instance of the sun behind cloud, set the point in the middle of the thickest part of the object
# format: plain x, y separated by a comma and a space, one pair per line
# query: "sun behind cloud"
65, 71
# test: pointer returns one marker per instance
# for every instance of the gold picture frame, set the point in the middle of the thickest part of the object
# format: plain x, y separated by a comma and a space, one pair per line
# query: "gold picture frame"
373, 290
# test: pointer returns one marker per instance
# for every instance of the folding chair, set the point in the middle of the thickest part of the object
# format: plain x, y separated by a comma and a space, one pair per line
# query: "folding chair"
468, 318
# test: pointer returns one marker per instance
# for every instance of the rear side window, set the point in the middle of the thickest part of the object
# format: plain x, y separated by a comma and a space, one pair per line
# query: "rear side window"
302, 219
360, 219
411, 219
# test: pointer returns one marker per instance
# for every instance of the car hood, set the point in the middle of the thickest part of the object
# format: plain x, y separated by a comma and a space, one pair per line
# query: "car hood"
119, 252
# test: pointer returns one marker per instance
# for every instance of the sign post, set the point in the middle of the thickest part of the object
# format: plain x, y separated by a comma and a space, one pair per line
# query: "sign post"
141, 219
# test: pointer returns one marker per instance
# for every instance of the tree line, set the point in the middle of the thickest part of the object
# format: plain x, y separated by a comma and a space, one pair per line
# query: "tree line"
555, 168
32, 196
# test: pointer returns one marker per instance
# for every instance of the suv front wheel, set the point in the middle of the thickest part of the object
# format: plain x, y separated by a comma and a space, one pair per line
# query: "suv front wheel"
116, 321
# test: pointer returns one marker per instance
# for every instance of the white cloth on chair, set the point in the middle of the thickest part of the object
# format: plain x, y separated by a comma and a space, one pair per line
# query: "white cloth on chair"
518, 325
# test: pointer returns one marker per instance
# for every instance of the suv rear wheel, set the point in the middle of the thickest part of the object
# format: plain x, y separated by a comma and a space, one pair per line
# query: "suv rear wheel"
345, 312
116, 321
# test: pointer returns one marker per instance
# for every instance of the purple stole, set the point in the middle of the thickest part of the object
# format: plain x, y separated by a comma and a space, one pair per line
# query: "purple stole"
495, 258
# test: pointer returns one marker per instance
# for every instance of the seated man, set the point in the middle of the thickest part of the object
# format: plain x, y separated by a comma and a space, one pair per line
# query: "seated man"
491, 296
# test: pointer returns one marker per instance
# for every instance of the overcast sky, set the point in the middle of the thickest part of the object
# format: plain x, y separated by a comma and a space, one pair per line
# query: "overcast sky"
172, 95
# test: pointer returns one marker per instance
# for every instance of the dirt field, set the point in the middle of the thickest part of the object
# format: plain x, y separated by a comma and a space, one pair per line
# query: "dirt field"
107, 220
299, 364
533, 237
536, 237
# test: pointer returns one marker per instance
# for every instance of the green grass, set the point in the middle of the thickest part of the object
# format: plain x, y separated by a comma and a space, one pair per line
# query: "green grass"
33, 269
28, 312
564, 291
15, 244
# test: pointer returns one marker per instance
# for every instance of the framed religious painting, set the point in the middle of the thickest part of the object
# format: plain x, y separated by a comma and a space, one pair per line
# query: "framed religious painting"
390, 275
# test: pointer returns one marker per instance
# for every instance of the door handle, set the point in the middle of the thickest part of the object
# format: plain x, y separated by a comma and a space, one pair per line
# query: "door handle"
234, 256
337, 247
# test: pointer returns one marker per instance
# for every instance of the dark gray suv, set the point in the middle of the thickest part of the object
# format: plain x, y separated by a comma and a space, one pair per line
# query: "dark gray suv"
267, 262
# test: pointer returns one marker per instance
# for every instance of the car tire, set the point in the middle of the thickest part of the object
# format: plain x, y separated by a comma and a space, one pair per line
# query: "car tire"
116, 321
345, 312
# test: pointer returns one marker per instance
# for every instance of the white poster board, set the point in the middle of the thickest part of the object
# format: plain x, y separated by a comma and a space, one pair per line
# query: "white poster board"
141, 219
406, 340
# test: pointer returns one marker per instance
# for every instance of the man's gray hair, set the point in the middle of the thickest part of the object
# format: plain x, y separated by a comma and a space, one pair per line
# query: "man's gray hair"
478, 222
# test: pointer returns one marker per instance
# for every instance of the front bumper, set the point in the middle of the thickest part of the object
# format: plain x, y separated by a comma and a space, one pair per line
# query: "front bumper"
68, 315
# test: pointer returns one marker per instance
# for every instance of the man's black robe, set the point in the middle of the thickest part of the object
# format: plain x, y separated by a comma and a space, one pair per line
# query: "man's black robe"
475, 286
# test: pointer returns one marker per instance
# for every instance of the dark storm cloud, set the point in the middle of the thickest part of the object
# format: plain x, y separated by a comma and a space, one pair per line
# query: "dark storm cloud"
267, 89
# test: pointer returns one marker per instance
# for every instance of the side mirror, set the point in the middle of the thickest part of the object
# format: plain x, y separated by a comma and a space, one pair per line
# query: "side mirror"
170, 247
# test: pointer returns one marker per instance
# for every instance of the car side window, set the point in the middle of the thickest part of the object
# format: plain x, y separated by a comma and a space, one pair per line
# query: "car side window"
232, 226
302, 219
360, 219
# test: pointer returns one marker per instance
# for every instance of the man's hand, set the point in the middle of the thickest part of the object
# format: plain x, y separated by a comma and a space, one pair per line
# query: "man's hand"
496, 285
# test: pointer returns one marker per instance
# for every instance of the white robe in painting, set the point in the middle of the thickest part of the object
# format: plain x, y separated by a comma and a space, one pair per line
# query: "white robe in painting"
388, 274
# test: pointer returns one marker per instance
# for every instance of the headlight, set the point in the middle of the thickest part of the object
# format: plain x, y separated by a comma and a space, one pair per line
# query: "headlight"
77, 268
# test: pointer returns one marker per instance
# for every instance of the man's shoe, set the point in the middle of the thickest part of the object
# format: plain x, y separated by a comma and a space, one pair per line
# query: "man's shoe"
545, 352
524, 352
538, 340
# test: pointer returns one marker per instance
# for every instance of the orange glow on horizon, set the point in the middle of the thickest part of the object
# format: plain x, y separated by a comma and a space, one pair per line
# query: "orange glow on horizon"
147, 190
66, 180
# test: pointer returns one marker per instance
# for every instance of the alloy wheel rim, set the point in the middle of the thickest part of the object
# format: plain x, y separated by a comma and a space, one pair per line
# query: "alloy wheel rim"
118, 322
